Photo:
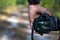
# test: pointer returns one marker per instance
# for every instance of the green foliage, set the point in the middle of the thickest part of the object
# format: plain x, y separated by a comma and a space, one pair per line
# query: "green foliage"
20, 2
48, 3
5, 3
26, 3
52, 5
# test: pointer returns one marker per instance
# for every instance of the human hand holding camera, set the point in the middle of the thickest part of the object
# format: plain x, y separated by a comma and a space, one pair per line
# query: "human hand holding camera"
34, 9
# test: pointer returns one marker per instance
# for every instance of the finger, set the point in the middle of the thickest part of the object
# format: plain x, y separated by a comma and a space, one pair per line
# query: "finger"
49, 13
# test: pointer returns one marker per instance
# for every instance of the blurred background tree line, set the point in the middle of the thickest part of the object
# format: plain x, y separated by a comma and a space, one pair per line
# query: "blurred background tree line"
52, 5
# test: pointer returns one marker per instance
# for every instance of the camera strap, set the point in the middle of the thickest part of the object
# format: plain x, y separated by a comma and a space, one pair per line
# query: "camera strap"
59, 35
32, 34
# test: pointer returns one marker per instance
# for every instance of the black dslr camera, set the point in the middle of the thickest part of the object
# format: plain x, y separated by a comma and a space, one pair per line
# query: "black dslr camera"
46, 23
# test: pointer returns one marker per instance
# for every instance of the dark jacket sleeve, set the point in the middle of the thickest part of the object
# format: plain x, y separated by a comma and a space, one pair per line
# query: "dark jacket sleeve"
34, 2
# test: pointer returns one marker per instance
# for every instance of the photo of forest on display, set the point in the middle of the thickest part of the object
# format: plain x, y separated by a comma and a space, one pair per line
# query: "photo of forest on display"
14, 20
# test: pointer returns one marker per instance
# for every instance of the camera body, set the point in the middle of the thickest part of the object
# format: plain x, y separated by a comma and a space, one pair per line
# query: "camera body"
46, 23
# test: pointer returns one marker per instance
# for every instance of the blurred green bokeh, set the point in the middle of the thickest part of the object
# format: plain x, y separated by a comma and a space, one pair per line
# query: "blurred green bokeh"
6, 3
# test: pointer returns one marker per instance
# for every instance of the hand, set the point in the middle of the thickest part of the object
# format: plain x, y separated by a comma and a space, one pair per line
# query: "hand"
33, 9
